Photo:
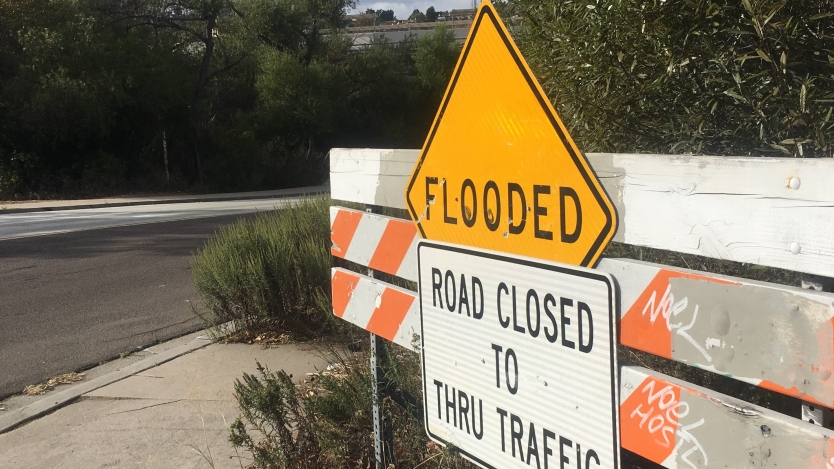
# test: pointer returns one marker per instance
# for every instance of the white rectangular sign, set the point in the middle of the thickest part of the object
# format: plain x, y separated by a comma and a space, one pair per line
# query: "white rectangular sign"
519, 359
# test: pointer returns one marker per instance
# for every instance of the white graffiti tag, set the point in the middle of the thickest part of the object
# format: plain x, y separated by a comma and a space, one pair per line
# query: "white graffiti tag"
667, 307
662, 415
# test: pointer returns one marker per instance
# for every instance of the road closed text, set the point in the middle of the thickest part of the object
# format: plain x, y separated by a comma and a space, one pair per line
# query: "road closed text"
564, 321
505, 348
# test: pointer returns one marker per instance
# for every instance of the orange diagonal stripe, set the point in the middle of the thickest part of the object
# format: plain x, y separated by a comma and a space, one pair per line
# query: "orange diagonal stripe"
389, 315
343, 286
639, 409
393, 246
342, 231
638, 330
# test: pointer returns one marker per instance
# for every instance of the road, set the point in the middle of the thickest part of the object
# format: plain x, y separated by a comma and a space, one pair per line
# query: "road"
120, 279
62, 221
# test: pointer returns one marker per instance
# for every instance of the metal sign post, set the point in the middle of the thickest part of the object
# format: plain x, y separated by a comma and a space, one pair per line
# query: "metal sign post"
383, 434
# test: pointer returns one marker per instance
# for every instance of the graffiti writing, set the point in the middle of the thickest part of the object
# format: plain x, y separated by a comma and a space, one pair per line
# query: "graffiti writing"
668, 308
660, 417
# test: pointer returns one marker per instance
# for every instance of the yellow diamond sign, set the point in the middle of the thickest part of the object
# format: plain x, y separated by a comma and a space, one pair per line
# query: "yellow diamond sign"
499, 170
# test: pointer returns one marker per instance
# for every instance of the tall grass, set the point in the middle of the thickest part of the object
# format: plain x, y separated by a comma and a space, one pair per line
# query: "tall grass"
271, 273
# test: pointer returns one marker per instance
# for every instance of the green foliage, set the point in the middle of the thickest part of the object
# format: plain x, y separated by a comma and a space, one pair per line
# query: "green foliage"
385, 15
271, 405
250, 94
333, 414
749, 77
304, 100
435, 59
270, 273
431, 14
70, 93
417, 16
343, 403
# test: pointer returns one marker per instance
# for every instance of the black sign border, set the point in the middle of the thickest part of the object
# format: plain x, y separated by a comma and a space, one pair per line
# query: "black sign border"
546, 265
543, 102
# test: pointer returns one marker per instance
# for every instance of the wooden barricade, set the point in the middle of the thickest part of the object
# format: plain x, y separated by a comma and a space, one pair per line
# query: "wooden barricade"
775, 212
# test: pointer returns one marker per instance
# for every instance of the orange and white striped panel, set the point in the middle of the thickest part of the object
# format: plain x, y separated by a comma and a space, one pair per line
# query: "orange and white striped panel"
769, 335
679, 425
382, 243
387, 311
774, 336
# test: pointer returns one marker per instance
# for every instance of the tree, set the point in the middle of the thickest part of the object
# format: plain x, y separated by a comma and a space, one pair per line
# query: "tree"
688, 76
435, 59
385, 15
417, 16
87, 88
436, 56
198, 25
196, 20
85, 99
296, 26
431, 14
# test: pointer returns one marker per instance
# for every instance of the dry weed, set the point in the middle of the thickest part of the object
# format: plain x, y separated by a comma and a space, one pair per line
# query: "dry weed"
265, 338
36, 389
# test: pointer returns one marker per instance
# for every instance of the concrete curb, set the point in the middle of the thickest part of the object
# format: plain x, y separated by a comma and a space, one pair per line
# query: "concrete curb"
312, 190
36, 409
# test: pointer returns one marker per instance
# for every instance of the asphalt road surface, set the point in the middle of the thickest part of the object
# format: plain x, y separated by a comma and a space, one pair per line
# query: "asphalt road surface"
52, 222
71, 300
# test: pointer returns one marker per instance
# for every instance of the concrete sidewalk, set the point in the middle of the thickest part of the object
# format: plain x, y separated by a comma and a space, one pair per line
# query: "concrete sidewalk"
121, 201
174, 415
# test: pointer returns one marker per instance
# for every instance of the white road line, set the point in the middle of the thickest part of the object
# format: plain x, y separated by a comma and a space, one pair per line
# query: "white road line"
55, 222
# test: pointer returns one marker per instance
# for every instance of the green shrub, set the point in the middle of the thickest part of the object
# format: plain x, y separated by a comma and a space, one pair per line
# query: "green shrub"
343, 406
749, 77
326, 422
271, 273
271, 405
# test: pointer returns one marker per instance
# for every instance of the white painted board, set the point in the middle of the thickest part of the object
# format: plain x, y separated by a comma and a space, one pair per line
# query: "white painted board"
371, 176
777, 212
519, 358
769, 211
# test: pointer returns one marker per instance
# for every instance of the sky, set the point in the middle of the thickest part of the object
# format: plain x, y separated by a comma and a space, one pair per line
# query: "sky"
404, 8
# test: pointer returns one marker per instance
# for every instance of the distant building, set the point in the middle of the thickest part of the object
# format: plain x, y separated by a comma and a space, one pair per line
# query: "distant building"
362, 40
362, 19
457, 15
